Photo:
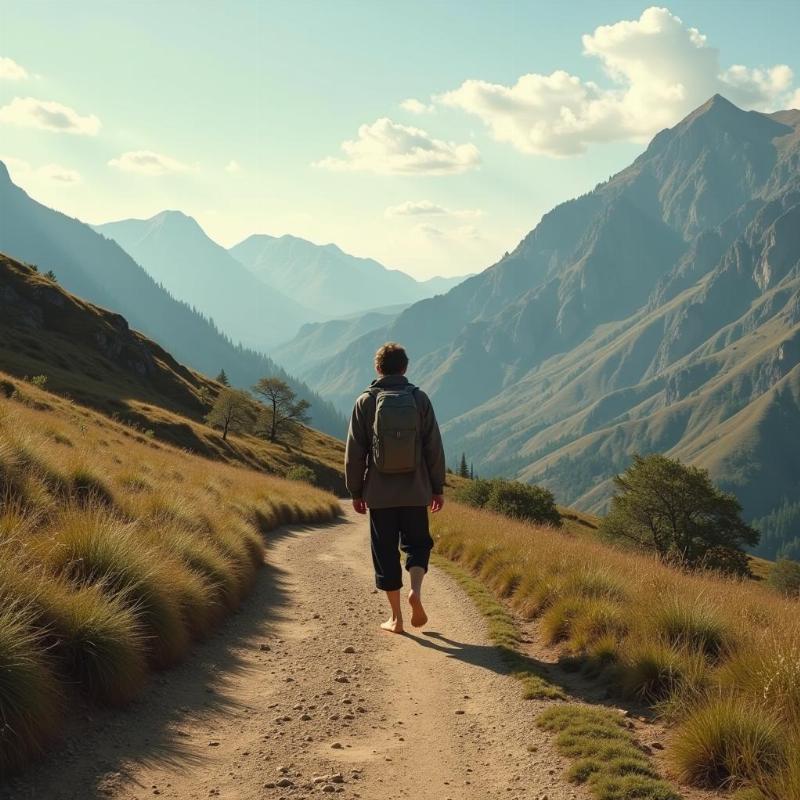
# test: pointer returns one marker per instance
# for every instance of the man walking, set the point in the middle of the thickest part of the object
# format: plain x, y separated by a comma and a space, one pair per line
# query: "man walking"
394, 466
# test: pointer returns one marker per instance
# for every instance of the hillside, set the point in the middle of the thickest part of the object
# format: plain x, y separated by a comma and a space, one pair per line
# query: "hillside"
92, 356
118, 552
657, 312
177, 253
331, 282
98, 270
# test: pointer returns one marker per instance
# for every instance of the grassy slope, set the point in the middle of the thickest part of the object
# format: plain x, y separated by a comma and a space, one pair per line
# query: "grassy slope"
93, 357
716, 657
116, 550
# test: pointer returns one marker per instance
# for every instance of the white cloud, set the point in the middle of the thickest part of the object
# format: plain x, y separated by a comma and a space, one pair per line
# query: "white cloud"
233, 166
48, 115
659, 68
421, 208
146, 162
794, 100
417, 106
389, 148
461, 234
24, 173
11, 71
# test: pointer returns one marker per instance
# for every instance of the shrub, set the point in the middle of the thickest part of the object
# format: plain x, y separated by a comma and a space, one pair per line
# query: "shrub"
300, 472
39, 381
512, 499
29, 695
785, 577
727, 742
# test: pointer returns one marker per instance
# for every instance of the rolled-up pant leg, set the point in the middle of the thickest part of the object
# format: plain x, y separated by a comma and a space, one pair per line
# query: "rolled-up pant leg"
384, 528
415, 537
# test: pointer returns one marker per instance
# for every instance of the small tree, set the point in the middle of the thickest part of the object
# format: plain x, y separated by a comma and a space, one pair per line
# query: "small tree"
283, 410
232, 411
51, 276
676, 511
463, 469
223, 378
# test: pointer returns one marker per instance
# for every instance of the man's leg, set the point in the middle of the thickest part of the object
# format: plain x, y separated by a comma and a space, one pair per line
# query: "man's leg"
416, 543
384, 524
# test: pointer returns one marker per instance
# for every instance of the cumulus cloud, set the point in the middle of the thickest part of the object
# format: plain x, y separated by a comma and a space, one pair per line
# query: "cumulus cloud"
22, 171
233, 166
422, 208
48, 115
146, 162
417, 106
659, 69
11, 71
389, 148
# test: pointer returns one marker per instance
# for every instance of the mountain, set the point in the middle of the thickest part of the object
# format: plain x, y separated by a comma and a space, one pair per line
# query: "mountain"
177, 253
316, 343
330, 281
658, 312
98, 269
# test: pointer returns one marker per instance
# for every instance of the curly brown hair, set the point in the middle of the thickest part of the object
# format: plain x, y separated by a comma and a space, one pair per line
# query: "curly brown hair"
391, 359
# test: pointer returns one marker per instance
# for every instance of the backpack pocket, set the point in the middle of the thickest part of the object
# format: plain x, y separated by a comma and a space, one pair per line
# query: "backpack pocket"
396, 451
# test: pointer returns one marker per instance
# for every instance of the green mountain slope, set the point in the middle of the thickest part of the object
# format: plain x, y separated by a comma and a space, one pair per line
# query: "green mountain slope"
658, 312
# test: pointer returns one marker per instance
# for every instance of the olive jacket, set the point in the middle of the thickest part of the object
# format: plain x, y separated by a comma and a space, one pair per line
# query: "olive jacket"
380, 490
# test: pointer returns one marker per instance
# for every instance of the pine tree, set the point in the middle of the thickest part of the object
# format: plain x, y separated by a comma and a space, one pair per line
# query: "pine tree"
463, 469
223, 378
471, 471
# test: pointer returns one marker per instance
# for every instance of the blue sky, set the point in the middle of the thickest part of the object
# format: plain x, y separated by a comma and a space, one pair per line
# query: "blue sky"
240, 113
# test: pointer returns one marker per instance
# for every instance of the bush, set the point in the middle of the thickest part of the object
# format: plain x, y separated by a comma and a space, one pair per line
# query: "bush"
728, 742
785, 577
512, 499
301, 472
654, 672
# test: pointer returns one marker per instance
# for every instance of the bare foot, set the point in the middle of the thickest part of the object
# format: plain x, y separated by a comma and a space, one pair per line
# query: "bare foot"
393, 625
418, 615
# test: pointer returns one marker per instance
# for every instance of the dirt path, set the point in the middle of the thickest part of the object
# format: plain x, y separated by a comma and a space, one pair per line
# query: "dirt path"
300, 695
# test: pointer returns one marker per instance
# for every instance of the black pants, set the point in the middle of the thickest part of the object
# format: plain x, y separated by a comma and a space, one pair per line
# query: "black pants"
406, 526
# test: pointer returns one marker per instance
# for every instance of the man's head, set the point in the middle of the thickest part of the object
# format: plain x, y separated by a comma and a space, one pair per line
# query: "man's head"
391, 359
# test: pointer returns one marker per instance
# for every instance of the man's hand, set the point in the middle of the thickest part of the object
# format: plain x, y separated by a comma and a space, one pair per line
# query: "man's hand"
359, 505
437, 501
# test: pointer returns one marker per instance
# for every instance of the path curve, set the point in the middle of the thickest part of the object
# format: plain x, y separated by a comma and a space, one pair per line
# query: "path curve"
300, 695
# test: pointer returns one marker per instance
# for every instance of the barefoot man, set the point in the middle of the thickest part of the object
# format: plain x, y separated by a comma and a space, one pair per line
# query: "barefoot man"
394, 466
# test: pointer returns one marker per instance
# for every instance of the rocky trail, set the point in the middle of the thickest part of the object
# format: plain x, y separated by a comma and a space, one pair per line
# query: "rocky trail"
301, 695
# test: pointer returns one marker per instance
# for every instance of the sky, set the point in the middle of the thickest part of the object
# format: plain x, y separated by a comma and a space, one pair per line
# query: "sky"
431, 136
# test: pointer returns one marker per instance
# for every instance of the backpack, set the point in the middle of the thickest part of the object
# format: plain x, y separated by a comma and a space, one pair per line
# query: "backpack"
395, 430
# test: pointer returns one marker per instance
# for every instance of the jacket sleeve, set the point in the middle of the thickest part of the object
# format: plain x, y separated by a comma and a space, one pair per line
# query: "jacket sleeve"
355, 453
432, 449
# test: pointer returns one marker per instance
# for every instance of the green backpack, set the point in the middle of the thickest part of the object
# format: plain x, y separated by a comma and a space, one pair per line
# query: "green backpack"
395, 431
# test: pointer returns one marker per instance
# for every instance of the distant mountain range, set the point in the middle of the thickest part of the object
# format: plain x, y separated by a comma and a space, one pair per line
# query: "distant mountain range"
659, 312
263, 290
176, 252
98, 269
331, 282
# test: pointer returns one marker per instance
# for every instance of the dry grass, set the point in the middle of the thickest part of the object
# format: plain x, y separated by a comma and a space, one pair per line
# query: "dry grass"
691, 645
115, 552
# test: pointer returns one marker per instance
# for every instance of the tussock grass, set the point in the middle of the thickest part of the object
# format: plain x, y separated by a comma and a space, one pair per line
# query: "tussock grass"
609, 760
726, 743
29, 693
679, 642
114, 555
